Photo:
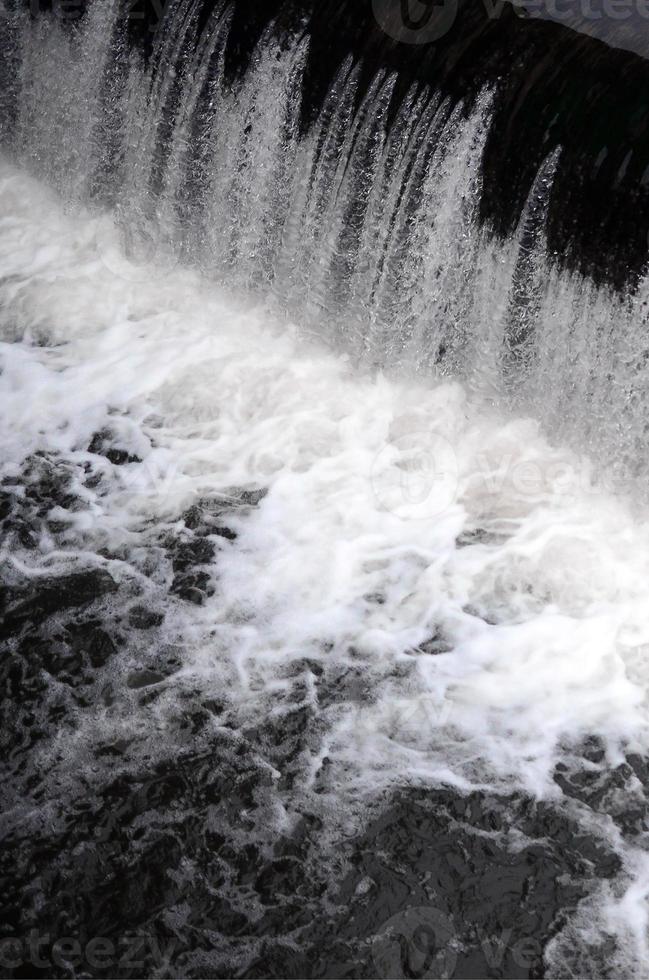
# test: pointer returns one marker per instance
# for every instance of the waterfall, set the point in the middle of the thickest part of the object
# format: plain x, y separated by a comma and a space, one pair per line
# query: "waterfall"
323, 521
365, 228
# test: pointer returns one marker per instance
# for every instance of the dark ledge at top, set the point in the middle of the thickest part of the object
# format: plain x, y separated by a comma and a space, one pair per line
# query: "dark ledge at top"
554, 86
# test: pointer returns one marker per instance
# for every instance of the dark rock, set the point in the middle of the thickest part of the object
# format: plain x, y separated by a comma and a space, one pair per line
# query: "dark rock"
225, 532
437, 644
192, 586
191, 581
214, 706
26, 535
278, 960
100, 647
376, 598
426, 873
282, 877
102, 444
21, 680
219, 910
205, 518
143, 619
7, 504
476, 536
206, 515
198, 551
343, 683
118, 457
304, 665
144, 678
252, 497
60, 659
47, 482
209, 515
44, 597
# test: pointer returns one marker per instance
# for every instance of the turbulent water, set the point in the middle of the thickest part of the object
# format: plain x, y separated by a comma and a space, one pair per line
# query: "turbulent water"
308, 499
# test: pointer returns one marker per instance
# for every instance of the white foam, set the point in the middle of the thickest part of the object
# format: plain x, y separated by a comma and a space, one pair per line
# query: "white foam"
545, 610
355, 556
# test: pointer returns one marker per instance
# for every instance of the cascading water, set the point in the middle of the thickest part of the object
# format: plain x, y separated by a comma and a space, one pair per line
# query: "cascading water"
289, 543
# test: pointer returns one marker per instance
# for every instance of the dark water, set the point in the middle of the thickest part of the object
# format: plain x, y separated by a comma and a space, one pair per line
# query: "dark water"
169, 867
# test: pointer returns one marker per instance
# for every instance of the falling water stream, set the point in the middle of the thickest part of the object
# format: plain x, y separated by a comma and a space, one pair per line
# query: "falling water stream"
358, 486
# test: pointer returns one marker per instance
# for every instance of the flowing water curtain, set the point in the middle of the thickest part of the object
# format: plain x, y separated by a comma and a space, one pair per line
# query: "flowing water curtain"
421, 238
628, 378
529, 281
242, 160
337, 198
357, 173
153, 112
399, 268
364, 229
11, 25
448, 240
364, 226
321, 154
575, 354
69, 126
186, 178
381, 224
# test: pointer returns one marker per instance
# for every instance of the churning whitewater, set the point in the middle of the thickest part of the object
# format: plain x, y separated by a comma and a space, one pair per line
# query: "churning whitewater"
381, 450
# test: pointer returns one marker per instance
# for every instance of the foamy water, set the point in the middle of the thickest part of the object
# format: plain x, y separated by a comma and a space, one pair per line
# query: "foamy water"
428, 445
490, 601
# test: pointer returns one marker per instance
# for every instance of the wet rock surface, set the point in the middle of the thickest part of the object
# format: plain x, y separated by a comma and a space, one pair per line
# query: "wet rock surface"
33, 604
157, 848
106, 443
170, 856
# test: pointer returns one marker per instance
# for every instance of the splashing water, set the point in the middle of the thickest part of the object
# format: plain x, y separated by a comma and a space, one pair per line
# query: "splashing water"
365, 232
321, 317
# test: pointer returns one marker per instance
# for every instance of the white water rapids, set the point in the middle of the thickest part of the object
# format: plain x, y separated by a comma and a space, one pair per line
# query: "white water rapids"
323, 318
